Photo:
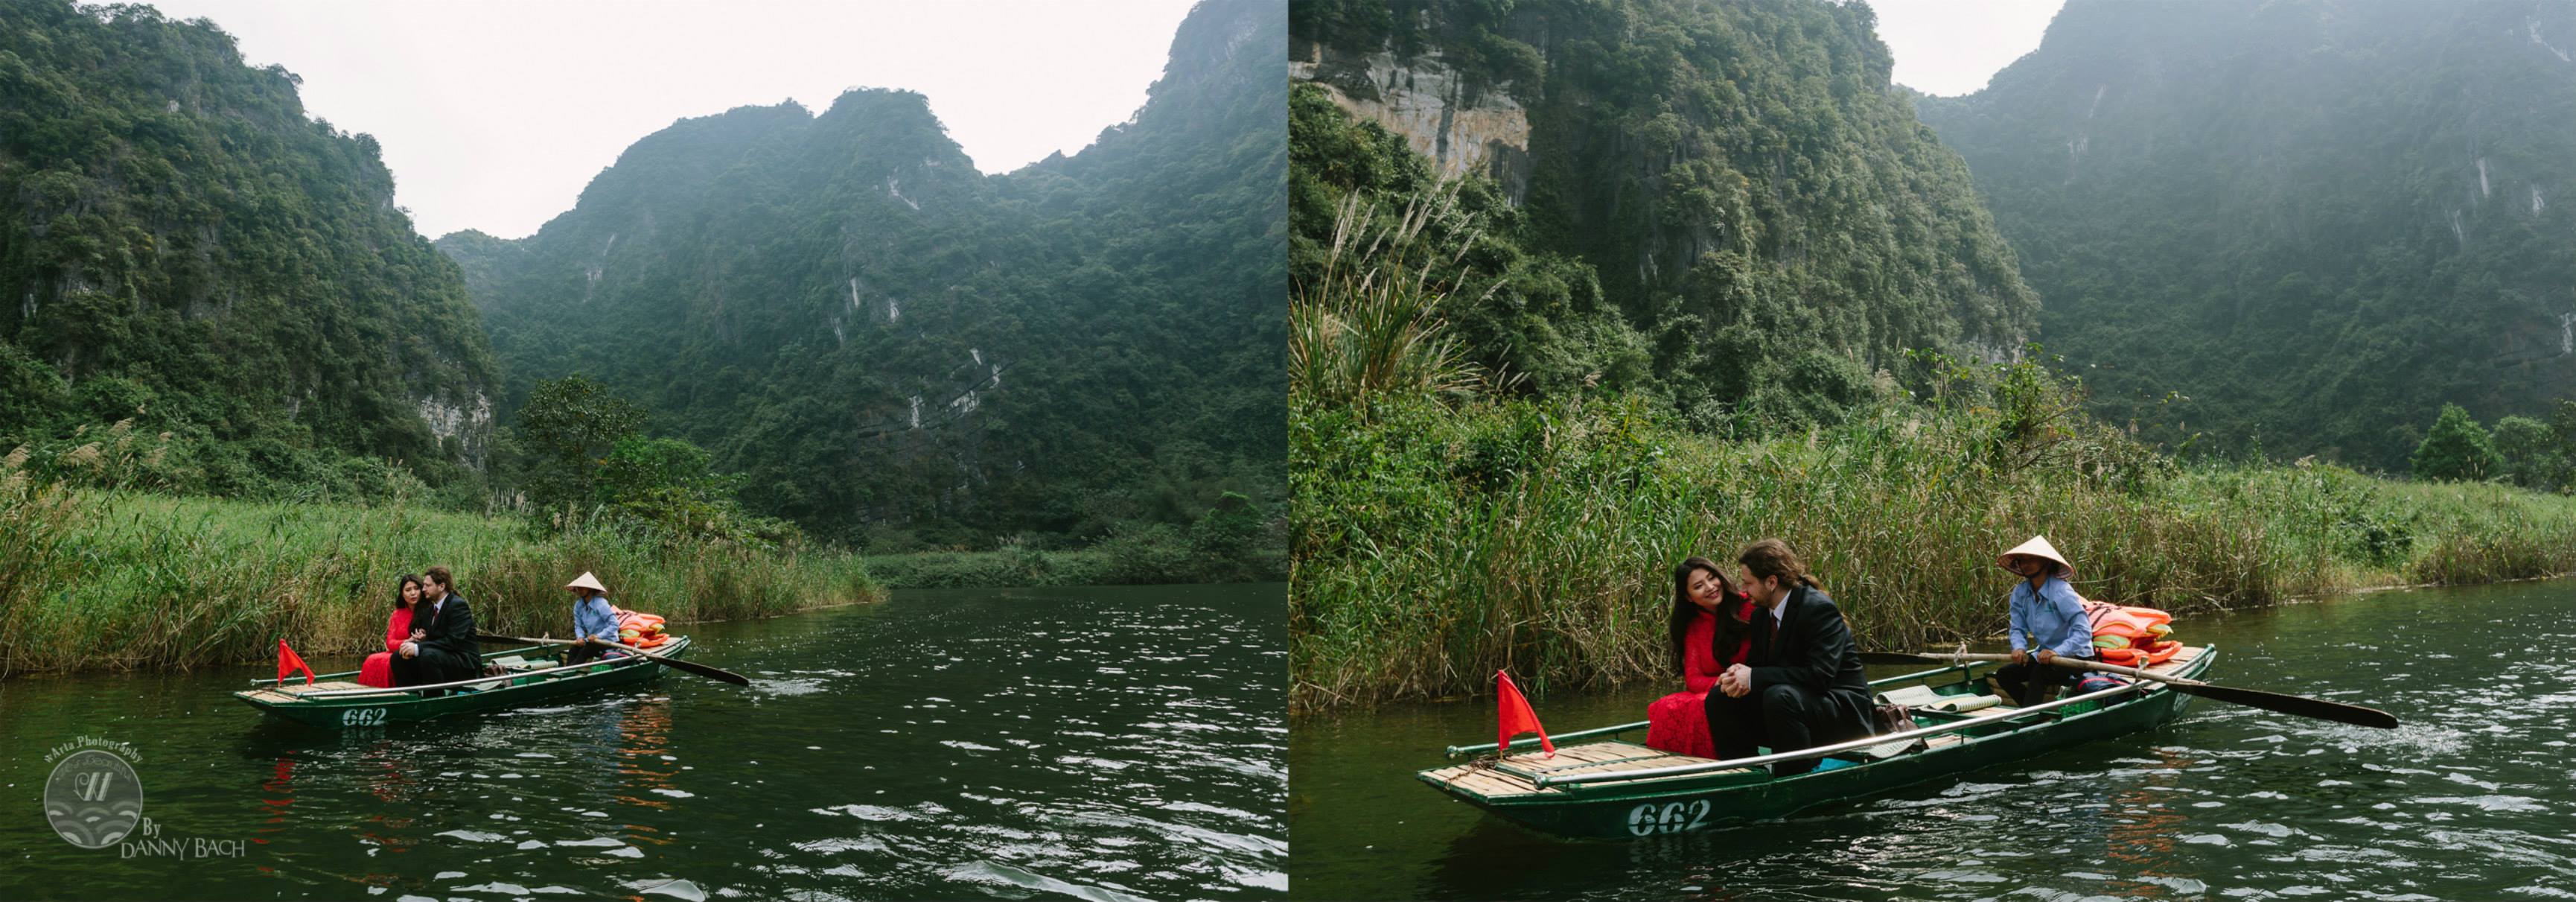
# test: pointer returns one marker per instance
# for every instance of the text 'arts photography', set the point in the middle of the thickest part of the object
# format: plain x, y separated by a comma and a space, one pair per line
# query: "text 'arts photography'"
1897, 449
692, 450
1267, 449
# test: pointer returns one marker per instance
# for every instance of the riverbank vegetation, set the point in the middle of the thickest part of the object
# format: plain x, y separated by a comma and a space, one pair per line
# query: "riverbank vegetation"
96, 571
1236, 541
1436, 544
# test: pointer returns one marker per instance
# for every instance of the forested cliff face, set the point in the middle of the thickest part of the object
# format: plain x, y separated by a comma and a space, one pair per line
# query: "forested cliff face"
2318, 221
898, 350
1759, 222
181, 246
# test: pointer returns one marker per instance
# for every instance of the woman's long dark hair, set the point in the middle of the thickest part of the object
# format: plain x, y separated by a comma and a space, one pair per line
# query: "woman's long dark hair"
1729, 630
406, 580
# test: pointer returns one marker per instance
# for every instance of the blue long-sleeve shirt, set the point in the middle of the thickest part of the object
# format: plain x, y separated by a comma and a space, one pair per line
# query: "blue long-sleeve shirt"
592, 619
2052, 619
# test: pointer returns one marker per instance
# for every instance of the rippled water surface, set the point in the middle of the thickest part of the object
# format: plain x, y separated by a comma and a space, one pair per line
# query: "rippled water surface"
1101, 744
2474, 798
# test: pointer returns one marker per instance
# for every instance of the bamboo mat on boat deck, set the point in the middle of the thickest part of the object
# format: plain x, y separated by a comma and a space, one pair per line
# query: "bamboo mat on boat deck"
294, 692
1512, 776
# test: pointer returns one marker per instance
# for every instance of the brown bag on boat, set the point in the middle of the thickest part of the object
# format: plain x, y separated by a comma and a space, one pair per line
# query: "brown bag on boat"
1893, 718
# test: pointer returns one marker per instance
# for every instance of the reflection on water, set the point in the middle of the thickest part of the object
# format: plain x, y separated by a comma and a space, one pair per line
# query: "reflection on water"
1099, 744
2465, 801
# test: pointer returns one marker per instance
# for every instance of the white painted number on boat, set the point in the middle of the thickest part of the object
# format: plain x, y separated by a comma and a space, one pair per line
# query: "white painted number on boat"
362, 717
1674, 817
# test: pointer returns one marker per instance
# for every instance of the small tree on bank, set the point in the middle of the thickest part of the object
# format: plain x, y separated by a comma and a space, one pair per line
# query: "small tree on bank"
2531, 453
2456, 448
569, 425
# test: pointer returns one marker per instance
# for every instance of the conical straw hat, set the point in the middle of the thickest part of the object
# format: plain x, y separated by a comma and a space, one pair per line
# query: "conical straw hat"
586, 581
2038, 547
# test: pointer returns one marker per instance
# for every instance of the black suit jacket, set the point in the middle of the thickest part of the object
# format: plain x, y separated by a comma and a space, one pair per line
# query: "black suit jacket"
451, 633
1814, 649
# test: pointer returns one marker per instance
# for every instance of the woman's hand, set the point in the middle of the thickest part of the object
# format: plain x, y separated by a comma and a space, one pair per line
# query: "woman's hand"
418, 635
1736, 682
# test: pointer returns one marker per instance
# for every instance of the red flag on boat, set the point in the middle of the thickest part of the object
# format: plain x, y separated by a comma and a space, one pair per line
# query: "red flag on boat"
1514, 716
289, 662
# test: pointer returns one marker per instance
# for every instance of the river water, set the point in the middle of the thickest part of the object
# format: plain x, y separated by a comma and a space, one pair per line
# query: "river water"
1101, 744
2473, 798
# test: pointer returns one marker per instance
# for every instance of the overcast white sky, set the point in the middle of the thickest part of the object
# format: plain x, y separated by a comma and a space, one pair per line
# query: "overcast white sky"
1950, 47
494, 115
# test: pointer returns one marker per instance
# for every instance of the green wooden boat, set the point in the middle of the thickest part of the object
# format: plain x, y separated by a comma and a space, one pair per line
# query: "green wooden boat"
535, 674
1616, 789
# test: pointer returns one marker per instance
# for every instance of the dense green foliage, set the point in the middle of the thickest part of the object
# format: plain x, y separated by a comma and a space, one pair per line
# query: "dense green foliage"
564, 429
183, 248
898, 352
2524, 451
2455, 449
1727, 207
586, 462
2317, 220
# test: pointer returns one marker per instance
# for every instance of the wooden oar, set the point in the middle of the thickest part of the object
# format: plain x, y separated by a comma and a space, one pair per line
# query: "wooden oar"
712, 673
2300, 705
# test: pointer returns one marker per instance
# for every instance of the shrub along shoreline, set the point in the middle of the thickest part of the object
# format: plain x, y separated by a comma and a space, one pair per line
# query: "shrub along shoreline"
121, 579
1434, 545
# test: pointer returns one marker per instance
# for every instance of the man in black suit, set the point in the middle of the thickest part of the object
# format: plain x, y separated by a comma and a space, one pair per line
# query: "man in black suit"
1802, 685
449, 652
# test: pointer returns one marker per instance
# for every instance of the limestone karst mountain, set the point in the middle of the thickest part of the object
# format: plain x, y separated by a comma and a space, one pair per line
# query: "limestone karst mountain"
898, 350
184, 248
2317, 220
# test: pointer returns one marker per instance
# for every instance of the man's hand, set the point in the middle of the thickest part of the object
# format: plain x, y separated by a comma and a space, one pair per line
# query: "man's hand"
2046, 656
2020, 657
410, 649
1736, 682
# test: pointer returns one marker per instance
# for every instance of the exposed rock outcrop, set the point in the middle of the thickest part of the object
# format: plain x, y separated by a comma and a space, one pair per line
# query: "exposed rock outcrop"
1461, 129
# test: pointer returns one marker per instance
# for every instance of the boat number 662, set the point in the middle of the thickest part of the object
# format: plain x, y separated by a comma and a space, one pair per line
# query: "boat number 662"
1671, 817
362, 717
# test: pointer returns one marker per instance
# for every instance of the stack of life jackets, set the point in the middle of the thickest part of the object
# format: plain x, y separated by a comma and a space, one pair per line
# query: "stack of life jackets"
2129, 636
638, 629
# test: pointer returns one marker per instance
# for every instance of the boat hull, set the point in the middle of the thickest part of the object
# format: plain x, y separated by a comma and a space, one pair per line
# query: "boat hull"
1654, 807
396, 707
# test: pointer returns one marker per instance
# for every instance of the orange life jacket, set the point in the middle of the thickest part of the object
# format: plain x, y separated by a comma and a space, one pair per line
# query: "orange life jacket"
2131, 636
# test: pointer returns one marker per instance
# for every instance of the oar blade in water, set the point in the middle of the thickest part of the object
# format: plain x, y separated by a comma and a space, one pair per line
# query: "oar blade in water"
702, 670
2294, 704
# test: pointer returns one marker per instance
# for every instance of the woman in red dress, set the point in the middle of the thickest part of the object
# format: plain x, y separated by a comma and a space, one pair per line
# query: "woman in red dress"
1711, 631
379, 669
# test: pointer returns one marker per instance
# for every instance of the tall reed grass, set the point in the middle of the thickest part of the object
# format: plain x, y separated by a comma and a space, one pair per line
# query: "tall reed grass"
118, 578
1370, 323
1433, 545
